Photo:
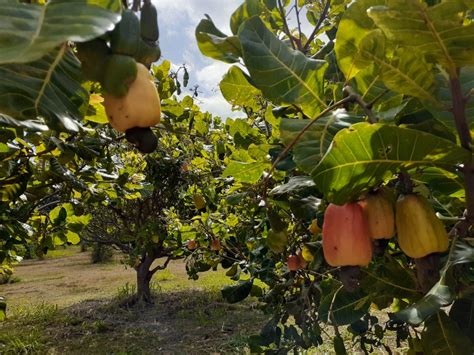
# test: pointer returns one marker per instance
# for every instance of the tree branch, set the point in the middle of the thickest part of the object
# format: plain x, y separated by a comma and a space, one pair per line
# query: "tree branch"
297, 11
164, 266
286, 29
460, 119
365, 106
298, 137
323, 16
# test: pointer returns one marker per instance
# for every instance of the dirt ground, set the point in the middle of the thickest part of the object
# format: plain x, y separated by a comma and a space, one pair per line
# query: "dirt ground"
69, 306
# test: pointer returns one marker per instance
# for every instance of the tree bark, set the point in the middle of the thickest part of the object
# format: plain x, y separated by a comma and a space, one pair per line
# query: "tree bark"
144, 276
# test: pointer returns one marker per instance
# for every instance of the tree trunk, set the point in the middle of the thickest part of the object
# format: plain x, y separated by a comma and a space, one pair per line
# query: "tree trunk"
144, 276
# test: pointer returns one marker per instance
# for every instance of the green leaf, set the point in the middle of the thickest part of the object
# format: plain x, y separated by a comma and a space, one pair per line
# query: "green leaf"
98, 115
342, 307
29, 31
405, 73
441, 335
236, 88
14, 185
353, 27
372, 88
248, 9
466, 76
296, 186
282, 74
441, 294
339, 347
215, 44
48, 88
30, 125
441, 181
314, 143
437, 31
73, 237
367, 154
246, 172
3, 309
237, 293
462, 312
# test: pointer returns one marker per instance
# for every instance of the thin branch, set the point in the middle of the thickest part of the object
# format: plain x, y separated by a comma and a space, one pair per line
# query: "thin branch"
365, 106
323, 16
286, 29
297, 138
164, 266
298, 21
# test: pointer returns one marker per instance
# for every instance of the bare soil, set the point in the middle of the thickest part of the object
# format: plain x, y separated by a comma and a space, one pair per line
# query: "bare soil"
70, 306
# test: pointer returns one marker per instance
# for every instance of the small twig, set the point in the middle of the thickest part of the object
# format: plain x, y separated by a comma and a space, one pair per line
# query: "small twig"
318, 25
297, 138
286, 29
365, 106
298, 21
378, 97
162, 267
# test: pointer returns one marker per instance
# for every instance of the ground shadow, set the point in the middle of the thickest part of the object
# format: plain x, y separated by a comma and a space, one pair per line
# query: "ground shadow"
188, 321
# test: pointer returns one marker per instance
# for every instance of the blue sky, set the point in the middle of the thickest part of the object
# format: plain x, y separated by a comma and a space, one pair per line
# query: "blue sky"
178, 20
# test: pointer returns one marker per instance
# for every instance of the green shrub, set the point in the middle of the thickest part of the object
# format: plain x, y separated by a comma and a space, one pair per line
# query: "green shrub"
101, 253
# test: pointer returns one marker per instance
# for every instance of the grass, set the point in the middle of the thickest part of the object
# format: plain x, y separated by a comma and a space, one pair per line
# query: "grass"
66, 305
62, 252
84, 313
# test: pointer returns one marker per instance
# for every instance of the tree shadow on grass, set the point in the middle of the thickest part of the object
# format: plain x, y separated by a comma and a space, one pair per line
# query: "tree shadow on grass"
185, 321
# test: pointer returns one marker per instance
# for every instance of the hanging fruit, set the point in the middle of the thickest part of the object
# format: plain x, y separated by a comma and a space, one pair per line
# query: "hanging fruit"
125, 37
419, 231
124, 112
378, 210
293, 262
346, 236
149, 22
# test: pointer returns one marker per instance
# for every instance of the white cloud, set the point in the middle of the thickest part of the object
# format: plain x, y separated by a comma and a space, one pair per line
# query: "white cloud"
210, 76
178, 20
170, 10
218, 106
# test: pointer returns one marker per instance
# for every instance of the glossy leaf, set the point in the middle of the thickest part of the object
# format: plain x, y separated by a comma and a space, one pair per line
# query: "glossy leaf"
441, 294
437, 31
238, 292
405, 73
31, 125
342, 307
296, 186
30, 31
283, 75
353, 27
248, 9
365, 155
216, 44
48, 88
315, 142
